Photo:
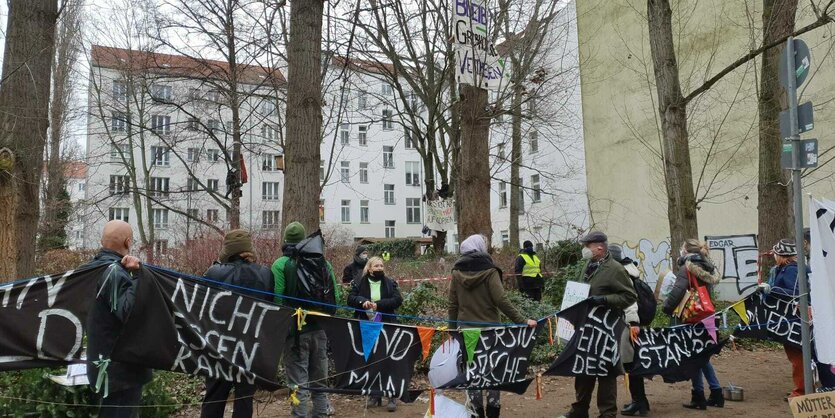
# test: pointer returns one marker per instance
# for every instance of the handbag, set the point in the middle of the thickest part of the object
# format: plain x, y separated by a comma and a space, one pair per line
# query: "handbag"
698, 306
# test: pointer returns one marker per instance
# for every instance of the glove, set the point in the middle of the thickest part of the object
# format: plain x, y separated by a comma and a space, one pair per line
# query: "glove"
763, 288
597, 300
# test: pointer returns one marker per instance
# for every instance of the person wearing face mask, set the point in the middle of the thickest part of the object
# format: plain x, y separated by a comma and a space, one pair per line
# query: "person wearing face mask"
374, 292
611, 286
695, 261
353, 271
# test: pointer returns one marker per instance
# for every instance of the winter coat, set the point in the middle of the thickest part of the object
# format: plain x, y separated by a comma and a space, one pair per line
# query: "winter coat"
390, 298
785, 280
611, 281
353, 271
526, 282
702, 269
105, 321
243, 274
476, 293
283, 286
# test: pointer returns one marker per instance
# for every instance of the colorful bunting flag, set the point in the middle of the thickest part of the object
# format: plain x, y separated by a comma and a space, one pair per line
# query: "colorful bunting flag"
471, 336
710, 326
739, 308
370, 332
426, 334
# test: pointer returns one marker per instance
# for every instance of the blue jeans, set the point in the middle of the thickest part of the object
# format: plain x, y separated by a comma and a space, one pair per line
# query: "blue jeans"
709, 374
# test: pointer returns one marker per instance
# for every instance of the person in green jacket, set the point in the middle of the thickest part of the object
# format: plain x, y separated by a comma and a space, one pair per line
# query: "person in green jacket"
306, 353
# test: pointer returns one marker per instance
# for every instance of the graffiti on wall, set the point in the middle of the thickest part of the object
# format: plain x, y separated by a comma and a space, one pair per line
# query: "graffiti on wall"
653, 259
736, 256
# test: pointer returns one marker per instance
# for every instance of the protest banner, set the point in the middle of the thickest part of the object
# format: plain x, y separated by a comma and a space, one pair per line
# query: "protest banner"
440, 214
594, 350
673, 353
818, 405
575, 292
770, 317
476, 61
201, 329
822, 277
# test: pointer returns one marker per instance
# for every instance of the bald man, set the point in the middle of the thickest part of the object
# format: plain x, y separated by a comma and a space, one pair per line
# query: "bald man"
115, 296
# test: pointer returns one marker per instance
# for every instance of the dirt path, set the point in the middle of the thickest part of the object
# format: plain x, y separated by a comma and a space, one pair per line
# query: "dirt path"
764, 375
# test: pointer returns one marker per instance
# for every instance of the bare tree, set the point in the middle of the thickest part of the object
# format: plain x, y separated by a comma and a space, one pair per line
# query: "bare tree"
24, 106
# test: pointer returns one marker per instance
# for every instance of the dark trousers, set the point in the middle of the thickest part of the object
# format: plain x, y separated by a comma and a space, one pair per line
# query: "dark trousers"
636, 388
217, 392
531, 287
121, 404
607, 395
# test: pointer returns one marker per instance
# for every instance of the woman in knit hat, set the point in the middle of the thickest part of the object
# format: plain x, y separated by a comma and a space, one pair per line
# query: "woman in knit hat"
353, 271
236, 266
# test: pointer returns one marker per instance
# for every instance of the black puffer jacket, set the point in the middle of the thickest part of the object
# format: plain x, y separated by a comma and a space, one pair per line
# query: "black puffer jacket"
241, 273
701, 268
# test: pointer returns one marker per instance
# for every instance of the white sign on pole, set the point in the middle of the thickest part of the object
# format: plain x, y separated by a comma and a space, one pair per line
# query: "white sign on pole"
440, 214
575, 292
476, 61
822, 277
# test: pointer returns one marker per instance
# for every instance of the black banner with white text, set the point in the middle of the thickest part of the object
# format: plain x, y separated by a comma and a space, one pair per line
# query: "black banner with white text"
594, 350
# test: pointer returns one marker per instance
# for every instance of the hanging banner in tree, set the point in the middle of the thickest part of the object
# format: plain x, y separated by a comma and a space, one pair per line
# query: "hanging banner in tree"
440, 214
387, 371
822, 278
499, 359
476, 61
771, 317
674, 353
186, 326
42, 319
594, 350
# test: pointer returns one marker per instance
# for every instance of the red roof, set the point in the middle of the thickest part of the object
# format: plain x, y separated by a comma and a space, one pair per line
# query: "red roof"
180, 65
365, 65
75, 169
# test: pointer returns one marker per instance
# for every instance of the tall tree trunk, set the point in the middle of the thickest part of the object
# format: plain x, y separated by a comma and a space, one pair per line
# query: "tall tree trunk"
774, 211
681, 199
515, 161
235, 105
473, 189
24, 104
304, 114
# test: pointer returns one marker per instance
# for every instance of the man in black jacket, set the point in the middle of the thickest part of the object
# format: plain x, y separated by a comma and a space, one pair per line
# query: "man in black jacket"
236, 267
118, 385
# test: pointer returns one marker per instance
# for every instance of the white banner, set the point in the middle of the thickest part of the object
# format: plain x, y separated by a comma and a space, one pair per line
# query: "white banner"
822, 278
440, 214
575, 292
476, 61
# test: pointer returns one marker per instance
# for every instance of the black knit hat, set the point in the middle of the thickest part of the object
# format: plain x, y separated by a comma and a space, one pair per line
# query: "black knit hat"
527, 244
360, 249
785, 248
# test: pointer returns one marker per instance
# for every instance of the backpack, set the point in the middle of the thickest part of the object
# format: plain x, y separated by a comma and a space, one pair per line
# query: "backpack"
313, 278
646, 301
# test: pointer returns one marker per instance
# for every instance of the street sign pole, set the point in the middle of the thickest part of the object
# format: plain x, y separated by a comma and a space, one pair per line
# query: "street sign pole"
805, 331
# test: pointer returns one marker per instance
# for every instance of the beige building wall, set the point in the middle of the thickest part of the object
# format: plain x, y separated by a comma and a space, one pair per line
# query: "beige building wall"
621, 128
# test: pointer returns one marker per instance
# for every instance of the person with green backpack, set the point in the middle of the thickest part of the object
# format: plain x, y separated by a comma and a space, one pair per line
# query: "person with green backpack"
307, 280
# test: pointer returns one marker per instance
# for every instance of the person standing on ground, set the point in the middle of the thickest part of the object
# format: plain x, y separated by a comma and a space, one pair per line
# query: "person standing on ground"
476, 295
306, 351
528, 272
353, 271
236, 266
695, 261
376, 293
120, 391
610, 286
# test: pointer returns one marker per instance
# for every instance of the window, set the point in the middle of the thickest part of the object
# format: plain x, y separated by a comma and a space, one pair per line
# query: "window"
502, 194
362, 135
119, 184
192, 214
413, 210
213, 125
532, 107
321, 170
389, 229
500, 153
408, 142
193, 124
81, 187
388, 90
159, 186
161, 246
346, 211
213, 96
160, 217
160, 92
345, 171
345, 134
117, 151
269, 190
414, 102
388, 157
362, 100
212, 215
270, 219
388, 119
505, 238
212, 185
268, 132
535, 190
412, 173
161, 124
533, 141
364, 173
268, 107
118, 122
192, 185
321, 210
388, 194
120, 90
120, 214
268, 162
521, 195
195, 94
213, 155
364, 211
160, 156
193, 155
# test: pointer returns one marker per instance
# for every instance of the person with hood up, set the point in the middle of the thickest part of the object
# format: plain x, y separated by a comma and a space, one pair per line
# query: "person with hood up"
236, 266
528, 272
695, 260
376, 293
353, 271
476, 295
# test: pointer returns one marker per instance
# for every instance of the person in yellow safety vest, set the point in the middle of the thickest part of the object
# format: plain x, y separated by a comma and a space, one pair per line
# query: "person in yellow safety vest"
528, 272
386, 255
